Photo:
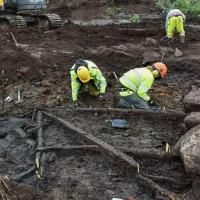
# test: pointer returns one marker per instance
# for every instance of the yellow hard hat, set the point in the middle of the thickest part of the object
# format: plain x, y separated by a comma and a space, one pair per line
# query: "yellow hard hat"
83, 74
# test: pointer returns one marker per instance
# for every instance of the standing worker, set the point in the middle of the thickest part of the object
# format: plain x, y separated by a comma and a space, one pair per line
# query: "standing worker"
86, 77
136, 83
175, 23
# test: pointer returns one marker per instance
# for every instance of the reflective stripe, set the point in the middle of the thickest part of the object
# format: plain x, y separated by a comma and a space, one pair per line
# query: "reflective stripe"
143, 87
131, 85
126, 93
138, 77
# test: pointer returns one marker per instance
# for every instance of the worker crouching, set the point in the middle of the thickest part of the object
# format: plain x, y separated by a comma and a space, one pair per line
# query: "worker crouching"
135, 84
86, 77
175, 23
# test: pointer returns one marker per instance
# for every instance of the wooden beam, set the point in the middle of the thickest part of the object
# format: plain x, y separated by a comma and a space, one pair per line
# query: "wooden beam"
137, 152
105, 146
145, 181
171, 114
39, 143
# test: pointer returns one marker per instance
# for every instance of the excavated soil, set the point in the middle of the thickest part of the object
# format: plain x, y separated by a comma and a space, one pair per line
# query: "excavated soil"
88, 174
41, 64
115, 48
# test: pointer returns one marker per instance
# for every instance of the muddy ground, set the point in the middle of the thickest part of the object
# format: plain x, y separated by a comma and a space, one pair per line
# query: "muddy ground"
41, 66
89, 174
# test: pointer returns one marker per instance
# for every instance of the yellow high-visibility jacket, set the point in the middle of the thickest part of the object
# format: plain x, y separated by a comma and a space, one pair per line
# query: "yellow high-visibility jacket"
139, 81
95, 75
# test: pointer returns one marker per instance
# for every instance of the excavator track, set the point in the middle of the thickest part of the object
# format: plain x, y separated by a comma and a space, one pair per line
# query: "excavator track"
14, 21
55, 20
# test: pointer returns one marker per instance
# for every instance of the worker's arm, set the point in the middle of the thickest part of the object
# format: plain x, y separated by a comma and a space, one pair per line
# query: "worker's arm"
99, 80
143, 88
75, 85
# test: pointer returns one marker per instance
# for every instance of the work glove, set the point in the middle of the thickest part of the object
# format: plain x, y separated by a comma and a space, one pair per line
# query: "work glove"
151, 102
102, 97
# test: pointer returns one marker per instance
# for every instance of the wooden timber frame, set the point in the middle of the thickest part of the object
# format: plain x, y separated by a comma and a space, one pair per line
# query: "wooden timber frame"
145, 181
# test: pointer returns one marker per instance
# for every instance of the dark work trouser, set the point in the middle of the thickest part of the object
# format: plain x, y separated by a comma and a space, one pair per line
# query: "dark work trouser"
133, 101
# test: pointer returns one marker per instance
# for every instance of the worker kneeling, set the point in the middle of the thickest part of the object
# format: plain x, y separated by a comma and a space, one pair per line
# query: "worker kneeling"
135, 84
86, 77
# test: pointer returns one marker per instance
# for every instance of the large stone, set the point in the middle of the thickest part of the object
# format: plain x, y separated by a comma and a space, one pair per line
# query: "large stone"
192, 119
151, 57
190, 151
151, 42
192, 100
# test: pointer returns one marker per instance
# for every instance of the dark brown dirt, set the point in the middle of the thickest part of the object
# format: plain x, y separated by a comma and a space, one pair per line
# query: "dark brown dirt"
114, 48
91, 175
51, 54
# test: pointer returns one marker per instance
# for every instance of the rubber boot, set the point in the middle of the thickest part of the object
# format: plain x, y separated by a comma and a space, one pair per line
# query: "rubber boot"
182, 39
170, 41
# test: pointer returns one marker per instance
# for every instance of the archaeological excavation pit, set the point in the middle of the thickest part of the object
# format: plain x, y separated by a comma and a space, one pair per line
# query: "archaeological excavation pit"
81, 154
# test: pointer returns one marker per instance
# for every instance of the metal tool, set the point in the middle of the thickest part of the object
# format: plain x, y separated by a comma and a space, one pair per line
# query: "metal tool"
19, 89
115, 75
163, 55
120, 123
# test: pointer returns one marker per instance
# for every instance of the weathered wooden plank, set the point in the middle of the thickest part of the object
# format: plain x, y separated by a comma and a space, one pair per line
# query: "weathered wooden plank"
171, 114
137, 152
39, 142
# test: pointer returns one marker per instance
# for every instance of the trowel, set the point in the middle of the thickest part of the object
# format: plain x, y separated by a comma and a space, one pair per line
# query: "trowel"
120, 123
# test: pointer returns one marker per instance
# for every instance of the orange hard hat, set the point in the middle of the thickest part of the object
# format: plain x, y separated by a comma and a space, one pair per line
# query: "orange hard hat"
162, 68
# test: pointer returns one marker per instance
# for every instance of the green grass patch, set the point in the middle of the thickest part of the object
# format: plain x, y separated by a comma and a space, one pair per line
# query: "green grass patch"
186, 6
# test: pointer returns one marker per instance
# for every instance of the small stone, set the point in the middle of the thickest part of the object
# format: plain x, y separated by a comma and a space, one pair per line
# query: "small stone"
24, 70
178, 53
46, 83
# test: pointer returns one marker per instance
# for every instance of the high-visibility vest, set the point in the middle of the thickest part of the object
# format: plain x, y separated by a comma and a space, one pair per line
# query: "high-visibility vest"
95, 75
139, 81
